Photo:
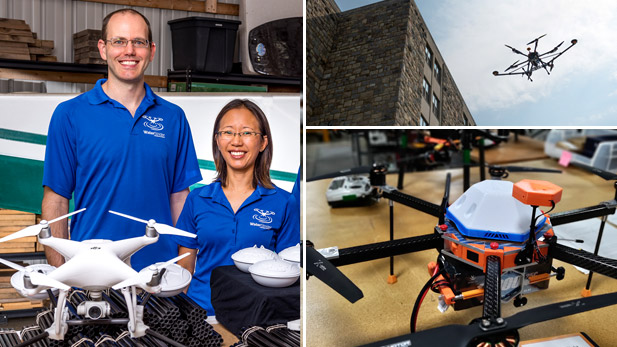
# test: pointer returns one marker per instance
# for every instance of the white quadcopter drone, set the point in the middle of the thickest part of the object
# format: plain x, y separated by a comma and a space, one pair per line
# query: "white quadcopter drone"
350, 190
97, 265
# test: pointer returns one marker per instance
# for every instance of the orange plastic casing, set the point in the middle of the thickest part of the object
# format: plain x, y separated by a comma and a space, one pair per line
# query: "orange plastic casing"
536, 193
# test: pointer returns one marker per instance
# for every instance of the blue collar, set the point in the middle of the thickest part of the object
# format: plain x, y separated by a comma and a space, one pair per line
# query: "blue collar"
97, 96
214, 191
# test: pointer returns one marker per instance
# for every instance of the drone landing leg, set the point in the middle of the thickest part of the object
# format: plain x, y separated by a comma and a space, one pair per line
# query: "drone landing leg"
136, 325
392, 278
59, 328
587, 291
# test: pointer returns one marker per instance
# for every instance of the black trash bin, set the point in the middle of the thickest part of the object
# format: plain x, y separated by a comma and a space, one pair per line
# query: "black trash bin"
203, 44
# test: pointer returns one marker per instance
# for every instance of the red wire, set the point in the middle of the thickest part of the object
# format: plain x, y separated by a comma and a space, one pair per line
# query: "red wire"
426, 288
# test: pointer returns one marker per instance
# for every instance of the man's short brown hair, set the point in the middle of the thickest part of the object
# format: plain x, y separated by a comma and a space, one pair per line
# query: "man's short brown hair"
124, 10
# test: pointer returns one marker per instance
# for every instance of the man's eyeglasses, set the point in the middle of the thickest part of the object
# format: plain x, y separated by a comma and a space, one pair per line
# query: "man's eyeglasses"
137, 43
228, 134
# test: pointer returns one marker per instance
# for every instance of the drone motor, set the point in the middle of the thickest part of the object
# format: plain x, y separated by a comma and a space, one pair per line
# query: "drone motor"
378, 175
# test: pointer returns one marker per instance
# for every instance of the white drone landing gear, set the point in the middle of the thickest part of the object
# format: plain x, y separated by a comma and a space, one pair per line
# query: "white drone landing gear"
136, 325
59, 328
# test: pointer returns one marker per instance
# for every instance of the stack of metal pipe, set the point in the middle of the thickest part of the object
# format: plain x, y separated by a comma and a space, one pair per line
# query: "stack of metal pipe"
181, 319
9, 337
195, 315
178, 318
273, 336
30, 332
80, 340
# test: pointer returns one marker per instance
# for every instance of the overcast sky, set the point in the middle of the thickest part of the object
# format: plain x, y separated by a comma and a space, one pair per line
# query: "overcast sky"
470, 35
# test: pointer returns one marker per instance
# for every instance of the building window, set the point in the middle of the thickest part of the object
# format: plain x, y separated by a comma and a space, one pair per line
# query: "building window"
465, 121
426, 91
437, 71
436, 106
423, 122
428, 55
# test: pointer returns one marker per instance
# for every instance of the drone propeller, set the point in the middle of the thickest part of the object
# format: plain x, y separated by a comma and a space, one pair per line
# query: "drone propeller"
146, 275
318, 266
552, 50
526, 169
445, 202
535, 40
352, 171
607, 175
462, 335
34, 230
511, 66
160, 227
503, 171
516, 50
37, 278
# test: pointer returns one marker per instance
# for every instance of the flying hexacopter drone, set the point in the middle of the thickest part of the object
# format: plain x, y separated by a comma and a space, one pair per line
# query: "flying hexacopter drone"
96, 265
535, 60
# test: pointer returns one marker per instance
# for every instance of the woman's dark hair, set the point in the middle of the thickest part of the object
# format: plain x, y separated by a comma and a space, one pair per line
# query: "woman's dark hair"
261, 173
123, 10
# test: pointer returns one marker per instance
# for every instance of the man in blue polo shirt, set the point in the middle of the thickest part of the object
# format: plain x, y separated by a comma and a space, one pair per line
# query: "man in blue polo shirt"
119, 147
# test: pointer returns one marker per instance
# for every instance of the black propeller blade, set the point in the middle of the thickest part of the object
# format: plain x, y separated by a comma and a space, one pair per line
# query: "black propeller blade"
607, 175
352, 171
318, 266
560, 309
511, 66
527, 169
553, 50
462, 335
445, 202
503, 171
535, 40
516, 50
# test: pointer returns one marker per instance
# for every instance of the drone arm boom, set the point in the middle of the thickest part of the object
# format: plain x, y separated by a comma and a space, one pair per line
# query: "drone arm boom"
386, 249
602, 209
509, 73
584, 259
123, 249
562, 52
413, 202
64, 247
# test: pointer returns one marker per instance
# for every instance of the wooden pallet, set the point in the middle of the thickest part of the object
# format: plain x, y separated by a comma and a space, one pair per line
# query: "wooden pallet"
17, 41
85, 47
10, 299
12, 221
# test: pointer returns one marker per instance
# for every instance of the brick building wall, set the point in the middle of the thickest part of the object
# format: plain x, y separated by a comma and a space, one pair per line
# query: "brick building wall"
366, 66
321, 28
410, 85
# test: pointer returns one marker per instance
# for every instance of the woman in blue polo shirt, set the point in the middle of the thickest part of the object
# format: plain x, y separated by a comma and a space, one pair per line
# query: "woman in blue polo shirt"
242, 207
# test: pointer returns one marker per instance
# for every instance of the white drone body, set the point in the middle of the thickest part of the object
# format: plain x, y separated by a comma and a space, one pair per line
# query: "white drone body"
95, 265
349, 188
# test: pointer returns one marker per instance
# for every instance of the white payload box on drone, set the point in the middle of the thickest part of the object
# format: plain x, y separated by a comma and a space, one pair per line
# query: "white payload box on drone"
488, 210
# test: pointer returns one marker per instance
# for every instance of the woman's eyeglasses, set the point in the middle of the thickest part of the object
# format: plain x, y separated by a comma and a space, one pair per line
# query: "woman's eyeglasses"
228, 134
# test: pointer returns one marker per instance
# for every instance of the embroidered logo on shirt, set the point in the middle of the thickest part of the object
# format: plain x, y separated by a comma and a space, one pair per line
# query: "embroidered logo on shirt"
263, 216
153, 123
